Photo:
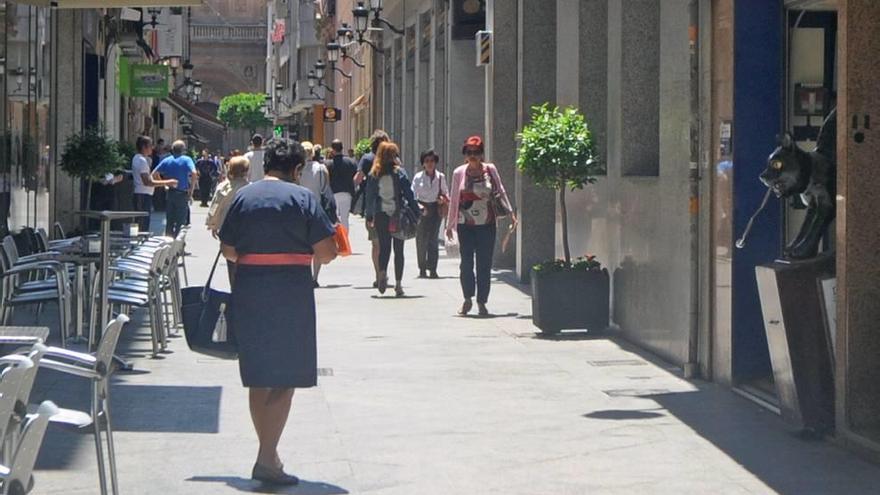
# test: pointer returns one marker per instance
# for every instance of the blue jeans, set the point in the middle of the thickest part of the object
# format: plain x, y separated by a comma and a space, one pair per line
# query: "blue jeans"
143, 202
176, 211
476, 242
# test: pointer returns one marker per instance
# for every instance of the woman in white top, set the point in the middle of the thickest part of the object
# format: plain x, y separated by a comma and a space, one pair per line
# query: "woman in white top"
388, 191
430, 189
315, 177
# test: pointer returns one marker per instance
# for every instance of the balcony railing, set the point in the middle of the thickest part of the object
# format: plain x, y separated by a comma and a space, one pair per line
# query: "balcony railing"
220, 33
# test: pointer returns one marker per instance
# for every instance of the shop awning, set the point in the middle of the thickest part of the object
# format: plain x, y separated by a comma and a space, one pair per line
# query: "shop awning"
109, 4
359, 103
194, 112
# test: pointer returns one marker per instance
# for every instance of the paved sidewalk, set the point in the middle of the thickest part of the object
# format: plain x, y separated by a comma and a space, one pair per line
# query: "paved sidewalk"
414, 400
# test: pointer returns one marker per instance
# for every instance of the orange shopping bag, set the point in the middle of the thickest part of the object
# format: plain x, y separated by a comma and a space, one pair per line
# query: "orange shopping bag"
343, 246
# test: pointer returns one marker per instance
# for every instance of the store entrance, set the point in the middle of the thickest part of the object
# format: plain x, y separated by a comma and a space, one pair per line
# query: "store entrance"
795, 98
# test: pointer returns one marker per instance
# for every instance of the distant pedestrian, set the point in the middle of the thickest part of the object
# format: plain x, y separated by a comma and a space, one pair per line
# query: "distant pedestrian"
314, 176
207, 169
144, 185
432, 193
472, 215
273, 231
342, 170
365, 166
388, 191
237, 175
318, 154
178, 166
255, 158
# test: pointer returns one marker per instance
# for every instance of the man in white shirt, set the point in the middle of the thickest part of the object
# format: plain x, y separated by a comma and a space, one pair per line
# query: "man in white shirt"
255, 157
144, 184
431, 191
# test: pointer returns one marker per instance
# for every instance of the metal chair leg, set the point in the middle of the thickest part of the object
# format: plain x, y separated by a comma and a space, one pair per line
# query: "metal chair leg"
111, 451
99, 448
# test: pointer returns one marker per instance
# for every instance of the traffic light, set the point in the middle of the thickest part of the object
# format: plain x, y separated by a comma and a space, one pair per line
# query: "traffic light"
278, 131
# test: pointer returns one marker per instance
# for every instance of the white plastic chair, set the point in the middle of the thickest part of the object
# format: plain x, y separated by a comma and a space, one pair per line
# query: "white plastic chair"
10, 436
98, 368
14, 373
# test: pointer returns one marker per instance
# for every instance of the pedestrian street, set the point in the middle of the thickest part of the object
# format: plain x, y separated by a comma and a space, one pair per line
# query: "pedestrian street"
414, 400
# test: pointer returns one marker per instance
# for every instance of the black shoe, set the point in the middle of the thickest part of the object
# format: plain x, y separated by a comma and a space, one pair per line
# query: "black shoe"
482, 311
434, 275
376, 284
383, 284
273, 476
423, 274
466, 307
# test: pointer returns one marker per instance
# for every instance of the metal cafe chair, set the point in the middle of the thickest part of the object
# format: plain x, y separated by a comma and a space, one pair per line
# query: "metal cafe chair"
17, 476
10, 436
97, 368
14, 370
34, 284
140, 286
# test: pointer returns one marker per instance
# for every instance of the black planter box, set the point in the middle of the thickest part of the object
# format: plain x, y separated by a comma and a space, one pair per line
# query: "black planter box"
570, 300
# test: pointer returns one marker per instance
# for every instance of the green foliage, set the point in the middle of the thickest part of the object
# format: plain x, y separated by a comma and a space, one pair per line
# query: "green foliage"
557, 150
362, 147
581, 264
126, 151
243, 111
91, 155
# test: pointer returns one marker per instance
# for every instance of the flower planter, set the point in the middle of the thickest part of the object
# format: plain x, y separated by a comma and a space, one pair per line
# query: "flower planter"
569, 300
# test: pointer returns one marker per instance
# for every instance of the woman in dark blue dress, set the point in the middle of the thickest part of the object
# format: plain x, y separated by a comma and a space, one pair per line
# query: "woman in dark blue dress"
273, 231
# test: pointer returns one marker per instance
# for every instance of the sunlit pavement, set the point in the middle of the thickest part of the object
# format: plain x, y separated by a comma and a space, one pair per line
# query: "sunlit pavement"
415, 400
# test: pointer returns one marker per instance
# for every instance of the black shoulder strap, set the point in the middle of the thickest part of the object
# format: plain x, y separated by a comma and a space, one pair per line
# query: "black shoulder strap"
211, 276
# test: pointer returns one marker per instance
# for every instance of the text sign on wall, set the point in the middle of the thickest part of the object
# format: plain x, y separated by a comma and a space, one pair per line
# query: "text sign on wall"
149, 81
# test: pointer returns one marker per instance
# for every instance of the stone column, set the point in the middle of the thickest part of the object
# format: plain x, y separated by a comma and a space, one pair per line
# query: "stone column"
66, 106
858, 229
501, 104
536, 84
465, 94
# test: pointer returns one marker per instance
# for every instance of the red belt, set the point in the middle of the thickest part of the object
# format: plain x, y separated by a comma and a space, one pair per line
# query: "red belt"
275, 259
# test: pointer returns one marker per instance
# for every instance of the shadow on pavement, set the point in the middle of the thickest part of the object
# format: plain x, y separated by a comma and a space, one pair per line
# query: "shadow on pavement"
623, 414
249, 485
760, 442
509, 277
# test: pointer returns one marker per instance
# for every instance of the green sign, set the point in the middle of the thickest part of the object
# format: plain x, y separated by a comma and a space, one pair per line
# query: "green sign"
149, 81
123, 76
278, 131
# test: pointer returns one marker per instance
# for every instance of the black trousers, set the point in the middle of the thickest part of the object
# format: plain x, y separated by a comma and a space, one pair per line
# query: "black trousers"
476, 242
205, 186
386, 244
427, 237
143, 202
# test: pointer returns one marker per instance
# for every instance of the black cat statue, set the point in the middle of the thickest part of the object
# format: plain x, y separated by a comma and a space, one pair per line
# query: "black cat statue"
812, 176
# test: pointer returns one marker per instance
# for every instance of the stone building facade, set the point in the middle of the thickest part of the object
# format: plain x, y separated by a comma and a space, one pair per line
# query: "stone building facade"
228, 47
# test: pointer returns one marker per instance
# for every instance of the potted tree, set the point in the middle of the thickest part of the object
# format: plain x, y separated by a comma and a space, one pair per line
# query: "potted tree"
89, 156
557, 151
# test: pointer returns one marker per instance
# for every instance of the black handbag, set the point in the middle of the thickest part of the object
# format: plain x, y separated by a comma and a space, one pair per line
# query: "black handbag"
404, 222
205, 312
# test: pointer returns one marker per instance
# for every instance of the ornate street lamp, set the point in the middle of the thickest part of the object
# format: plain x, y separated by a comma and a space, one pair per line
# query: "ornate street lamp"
333, 52
362, 25
313, 79
320, 68
187, 70
19, 77
197, 91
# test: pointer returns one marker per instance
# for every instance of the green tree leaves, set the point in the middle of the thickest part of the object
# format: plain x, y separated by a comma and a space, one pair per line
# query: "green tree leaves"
91, 155
557, 149
243, 111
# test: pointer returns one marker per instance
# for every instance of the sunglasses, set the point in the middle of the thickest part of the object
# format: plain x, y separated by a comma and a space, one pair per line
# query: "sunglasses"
472, 152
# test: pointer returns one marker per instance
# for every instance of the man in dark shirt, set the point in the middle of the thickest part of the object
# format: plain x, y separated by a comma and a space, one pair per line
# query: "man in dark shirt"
363, 175
342, 171
206, 168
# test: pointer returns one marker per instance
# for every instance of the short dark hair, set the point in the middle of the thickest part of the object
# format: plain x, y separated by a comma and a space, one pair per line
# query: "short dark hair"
142, 142
283, 155
257, 140
379, 136
428, 154
336, 145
